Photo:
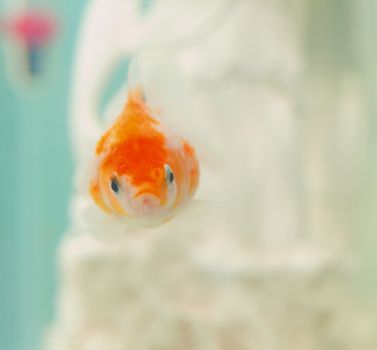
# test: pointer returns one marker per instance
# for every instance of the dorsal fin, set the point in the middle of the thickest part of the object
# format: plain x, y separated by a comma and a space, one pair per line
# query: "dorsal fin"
136, 95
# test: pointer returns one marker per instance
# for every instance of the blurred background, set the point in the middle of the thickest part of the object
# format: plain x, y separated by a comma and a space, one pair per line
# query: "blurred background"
37, 176
338, 38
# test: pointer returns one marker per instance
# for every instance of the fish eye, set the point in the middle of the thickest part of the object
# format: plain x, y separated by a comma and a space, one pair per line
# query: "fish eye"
169, 175
114, 185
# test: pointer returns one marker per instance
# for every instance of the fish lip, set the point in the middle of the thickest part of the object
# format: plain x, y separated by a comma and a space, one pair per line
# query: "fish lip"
151, 198
161, 201
146, 192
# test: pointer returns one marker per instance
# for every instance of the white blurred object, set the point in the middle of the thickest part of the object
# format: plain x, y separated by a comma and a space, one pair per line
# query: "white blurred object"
257, 261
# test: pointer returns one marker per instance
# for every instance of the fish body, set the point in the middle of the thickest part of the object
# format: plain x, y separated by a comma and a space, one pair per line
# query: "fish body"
144, 172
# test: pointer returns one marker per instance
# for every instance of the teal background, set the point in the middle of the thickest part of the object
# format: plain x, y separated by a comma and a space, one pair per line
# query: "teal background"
35, 185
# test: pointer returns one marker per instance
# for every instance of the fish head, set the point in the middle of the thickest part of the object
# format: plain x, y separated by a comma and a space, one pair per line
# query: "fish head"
144, 178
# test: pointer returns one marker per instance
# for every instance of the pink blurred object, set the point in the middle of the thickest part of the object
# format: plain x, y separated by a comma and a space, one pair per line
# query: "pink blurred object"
33, 28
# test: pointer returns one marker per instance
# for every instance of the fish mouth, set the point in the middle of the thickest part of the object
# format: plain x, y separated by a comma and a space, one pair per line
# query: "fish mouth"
147, 198
146, 203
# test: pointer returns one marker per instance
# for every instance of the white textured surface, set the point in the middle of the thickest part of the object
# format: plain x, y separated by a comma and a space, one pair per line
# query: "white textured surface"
180, 287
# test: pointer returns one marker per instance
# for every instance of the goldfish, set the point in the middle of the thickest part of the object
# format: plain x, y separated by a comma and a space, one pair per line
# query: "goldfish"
144, 171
